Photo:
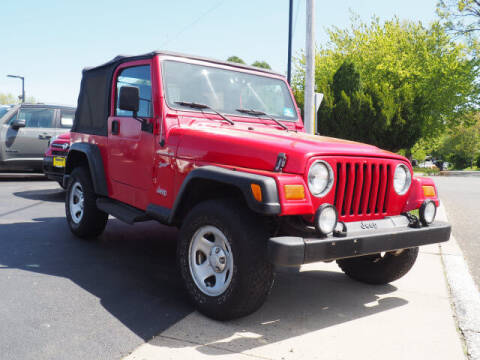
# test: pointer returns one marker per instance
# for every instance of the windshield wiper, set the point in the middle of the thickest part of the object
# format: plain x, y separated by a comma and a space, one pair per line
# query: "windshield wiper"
261, 113
195, 105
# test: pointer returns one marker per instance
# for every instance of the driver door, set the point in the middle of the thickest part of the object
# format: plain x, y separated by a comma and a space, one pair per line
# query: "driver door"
131, 148
31, 141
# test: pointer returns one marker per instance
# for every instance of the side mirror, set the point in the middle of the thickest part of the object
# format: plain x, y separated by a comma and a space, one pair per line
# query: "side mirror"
18, 123
129, 99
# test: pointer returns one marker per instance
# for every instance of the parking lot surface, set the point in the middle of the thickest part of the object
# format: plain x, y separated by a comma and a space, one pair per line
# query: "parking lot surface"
63, 298
461, 197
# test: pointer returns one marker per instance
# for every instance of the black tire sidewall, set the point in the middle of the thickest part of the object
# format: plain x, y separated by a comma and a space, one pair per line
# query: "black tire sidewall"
244, 235
389, 268
93, 220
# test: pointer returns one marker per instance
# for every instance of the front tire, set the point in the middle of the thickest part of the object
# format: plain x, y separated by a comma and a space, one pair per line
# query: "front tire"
222, 258
377, 269
84, 218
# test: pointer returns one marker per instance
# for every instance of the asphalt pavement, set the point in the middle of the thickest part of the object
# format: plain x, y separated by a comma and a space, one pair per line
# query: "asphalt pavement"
64, 298
461, 197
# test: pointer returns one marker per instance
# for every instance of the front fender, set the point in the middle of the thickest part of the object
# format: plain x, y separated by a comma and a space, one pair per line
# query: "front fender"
417, 195
270, 204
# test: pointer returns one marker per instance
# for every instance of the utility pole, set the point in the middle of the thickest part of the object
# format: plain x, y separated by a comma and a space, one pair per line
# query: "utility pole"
310, 69
23, 84
289, 66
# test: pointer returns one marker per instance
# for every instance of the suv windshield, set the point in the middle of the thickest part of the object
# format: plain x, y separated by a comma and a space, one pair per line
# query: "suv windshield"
226, 90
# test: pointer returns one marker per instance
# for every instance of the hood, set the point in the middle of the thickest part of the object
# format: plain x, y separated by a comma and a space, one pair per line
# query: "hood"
258, 147
65, 136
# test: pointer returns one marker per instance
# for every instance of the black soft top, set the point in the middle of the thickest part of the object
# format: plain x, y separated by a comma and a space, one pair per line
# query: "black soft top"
94, 97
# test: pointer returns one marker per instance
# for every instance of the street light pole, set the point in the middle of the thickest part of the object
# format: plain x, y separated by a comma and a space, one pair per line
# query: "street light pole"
289, 67
23, 84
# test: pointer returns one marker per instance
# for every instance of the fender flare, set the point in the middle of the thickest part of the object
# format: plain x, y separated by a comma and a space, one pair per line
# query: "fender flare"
270, 204
95, 165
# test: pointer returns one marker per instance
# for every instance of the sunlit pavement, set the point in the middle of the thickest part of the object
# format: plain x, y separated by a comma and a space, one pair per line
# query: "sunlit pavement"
318, 313
461, 197
62, 298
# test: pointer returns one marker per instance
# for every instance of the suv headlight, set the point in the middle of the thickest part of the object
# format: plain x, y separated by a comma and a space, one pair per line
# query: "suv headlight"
401, 179
320, 178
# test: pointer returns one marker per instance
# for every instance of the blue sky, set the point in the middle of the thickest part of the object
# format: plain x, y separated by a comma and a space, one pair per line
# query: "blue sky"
49, 42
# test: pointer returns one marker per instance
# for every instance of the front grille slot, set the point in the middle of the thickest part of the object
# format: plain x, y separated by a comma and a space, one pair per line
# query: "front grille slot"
362, 188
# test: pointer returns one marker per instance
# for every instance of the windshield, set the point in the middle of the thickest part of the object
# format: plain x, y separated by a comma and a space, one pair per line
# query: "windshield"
226, 90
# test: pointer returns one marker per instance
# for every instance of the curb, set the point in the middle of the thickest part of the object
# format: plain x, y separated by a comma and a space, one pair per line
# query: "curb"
464, 293
460, 173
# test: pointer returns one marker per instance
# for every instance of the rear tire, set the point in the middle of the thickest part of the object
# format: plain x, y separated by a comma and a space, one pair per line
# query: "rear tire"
222, 258
377, 269
84, 218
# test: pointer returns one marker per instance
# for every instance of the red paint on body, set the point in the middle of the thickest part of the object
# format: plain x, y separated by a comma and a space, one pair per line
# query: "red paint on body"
148, 168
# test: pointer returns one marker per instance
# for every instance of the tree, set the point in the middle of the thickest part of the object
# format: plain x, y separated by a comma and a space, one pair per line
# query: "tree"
461, 145
235, 59
391, 83
262, 64
462, 17
7, 99
10, 99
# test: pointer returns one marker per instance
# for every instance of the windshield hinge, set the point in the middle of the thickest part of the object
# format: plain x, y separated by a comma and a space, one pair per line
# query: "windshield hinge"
281, 161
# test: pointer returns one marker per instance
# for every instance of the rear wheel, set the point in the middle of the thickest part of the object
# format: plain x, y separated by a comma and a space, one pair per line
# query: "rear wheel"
222, 259
84, 218
379, 269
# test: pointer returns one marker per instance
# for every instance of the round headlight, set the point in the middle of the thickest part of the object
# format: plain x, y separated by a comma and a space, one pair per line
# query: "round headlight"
326, 219
402, 179
427, 212
320, 178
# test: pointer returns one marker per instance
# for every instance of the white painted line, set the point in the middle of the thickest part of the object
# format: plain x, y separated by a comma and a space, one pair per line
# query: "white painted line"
465, 295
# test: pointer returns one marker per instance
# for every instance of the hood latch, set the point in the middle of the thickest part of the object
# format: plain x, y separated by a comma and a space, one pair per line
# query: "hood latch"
281, 161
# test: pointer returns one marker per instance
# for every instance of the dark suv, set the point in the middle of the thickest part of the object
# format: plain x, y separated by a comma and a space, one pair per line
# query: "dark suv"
25, 132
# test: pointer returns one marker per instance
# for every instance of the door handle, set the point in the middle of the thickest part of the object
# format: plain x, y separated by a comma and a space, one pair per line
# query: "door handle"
115, 127
44, 137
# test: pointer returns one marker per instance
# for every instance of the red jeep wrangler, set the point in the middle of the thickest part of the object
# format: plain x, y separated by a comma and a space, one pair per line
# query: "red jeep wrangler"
219, 150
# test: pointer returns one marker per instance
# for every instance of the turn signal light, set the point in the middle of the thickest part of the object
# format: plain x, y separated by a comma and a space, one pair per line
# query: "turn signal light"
256, 192
294, 192
428, 191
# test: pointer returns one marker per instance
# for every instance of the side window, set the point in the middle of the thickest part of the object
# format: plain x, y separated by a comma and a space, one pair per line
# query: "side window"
138, 76
35, 118
66, 119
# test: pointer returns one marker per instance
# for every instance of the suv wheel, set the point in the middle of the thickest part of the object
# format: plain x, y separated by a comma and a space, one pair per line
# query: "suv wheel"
377, 269
84, 218
222, 259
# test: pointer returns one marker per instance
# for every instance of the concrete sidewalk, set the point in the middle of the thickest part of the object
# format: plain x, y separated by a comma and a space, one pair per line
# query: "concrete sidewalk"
318, 313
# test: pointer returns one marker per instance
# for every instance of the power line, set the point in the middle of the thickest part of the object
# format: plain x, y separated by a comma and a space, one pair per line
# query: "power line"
195, 21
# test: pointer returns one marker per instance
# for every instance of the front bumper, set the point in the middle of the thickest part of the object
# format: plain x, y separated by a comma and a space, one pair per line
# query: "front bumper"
291, 250
52, 172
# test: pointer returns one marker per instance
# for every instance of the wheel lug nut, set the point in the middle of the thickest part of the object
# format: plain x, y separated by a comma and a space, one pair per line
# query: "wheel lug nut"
217, 250
221, 260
